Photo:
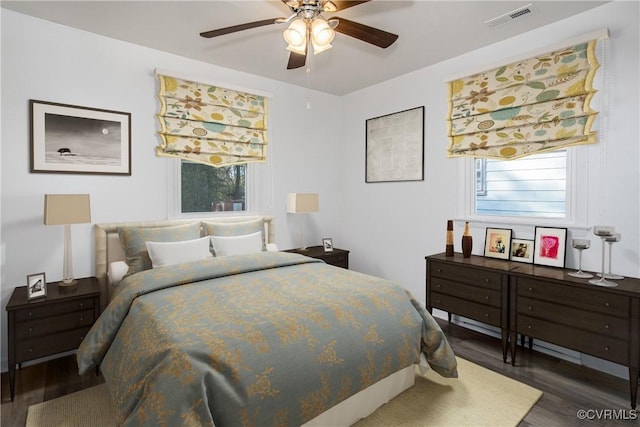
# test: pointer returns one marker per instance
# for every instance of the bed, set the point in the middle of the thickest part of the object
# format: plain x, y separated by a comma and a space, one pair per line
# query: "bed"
250, 336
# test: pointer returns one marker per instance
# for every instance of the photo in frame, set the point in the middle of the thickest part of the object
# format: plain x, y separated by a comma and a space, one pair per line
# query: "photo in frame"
327, 244
497, 243
395, 147
550, 245
36, 286
82, 140
522, 250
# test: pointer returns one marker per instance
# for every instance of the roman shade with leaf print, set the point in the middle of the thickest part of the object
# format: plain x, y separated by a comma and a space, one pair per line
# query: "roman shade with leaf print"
210, 124
534, 105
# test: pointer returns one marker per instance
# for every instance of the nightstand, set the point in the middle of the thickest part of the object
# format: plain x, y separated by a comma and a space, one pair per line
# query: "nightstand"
51, 325
337, 257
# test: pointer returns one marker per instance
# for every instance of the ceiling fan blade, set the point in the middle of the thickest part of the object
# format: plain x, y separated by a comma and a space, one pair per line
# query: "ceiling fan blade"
241, 27
297, 60
336, 5
365, 33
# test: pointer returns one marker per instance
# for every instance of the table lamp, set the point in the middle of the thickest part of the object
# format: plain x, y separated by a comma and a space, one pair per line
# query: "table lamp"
302, 203
67, 209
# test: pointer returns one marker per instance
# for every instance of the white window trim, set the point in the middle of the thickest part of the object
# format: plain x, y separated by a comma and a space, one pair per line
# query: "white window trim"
576, 203
258, 196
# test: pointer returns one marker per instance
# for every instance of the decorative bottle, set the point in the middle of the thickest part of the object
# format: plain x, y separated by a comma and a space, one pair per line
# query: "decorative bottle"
449, 247
467, 241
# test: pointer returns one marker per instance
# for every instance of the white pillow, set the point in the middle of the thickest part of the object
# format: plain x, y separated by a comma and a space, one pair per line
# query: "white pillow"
117, 270
169, 253
237, 245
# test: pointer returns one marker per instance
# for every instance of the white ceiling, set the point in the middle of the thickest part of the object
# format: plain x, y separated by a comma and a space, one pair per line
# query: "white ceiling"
429, 32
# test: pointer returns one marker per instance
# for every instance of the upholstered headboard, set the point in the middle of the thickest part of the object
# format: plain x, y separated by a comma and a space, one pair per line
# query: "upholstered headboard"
108, 248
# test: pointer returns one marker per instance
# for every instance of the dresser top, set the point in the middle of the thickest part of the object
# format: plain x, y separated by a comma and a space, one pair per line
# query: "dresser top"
85, 287
628, 285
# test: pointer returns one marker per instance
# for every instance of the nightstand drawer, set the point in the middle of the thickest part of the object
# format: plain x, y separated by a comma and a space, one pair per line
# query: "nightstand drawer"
46, 345
38, 311
54, 324
338, 259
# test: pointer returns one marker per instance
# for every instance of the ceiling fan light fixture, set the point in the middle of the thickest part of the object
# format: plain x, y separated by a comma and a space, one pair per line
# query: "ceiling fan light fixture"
320, 48
296, 34
321, 33
300, 49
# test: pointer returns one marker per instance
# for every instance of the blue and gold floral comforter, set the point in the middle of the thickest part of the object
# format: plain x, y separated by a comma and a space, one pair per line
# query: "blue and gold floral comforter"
265, 339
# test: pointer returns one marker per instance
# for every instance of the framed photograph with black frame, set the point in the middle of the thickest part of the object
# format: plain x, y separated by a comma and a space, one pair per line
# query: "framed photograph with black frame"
395, 147
36, 286
497, 243
550, 244
72, 139
522, 250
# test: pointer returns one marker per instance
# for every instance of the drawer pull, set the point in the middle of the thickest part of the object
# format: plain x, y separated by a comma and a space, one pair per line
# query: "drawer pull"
81, 319
530, 308
529, 327
486, 280
486, 315
606, 304
606, 348
438, 270
81, 305
30, 314
530, 289
438, 286
30, 350
437, 301
606, 326
30, 330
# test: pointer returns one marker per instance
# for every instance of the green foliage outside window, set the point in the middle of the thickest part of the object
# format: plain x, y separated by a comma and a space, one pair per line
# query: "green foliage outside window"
208, 189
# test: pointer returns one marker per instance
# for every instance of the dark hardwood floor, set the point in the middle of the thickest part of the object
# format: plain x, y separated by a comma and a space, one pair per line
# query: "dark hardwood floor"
567, 387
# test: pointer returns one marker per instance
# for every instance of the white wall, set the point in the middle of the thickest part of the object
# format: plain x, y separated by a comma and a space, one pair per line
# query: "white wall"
46, 61
409, 219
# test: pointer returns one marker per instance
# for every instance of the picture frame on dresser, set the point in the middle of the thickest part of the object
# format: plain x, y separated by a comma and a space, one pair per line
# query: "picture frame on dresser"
36, 286
497, 243
550, 246
522, 250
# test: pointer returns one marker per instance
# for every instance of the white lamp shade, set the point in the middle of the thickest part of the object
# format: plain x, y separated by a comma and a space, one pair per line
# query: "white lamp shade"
62, 209
302, 202
296, 34
321, 33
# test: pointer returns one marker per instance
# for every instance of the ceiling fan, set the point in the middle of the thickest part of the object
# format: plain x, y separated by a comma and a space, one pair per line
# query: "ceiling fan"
307, 27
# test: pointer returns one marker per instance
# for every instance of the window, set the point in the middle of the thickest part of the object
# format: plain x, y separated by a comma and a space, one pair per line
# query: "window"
535, 186
208, 189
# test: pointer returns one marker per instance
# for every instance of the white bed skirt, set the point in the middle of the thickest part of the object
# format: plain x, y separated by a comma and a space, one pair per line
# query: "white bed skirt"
364, 403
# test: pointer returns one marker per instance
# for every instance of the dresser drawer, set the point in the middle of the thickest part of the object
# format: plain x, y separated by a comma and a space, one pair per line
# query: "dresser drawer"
468, 292
605, 347
37, 311
470, 276
590, 300
54, 324
586, 320
45, 345
480, 312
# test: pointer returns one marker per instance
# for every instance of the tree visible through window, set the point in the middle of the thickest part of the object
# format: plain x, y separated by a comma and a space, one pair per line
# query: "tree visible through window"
534, 186
209, 189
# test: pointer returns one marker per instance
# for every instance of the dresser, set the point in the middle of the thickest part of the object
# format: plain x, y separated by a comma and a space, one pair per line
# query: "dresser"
337, 257
51, 325
476, 288
544, 303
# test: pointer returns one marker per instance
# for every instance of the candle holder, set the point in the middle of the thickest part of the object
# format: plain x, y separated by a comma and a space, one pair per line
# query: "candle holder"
603, 232
615, 237
580, 245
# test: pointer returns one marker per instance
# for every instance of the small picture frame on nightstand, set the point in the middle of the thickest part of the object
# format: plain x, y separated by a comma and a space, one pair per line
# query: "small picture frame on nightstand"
36, 286
327, 244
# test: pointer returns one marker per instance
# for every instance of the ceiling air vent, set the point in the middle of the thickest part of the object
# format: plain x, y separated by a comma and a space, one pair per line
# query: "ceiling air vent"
510, 16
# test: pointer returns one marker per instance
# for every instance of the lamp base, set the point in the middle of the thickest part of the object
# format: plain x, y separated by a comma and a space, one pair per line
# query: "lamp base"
67, 282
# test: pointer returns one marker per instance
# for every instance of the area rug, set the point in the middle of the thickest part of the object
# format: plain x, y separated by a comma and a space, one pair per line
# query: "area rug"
479, 397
